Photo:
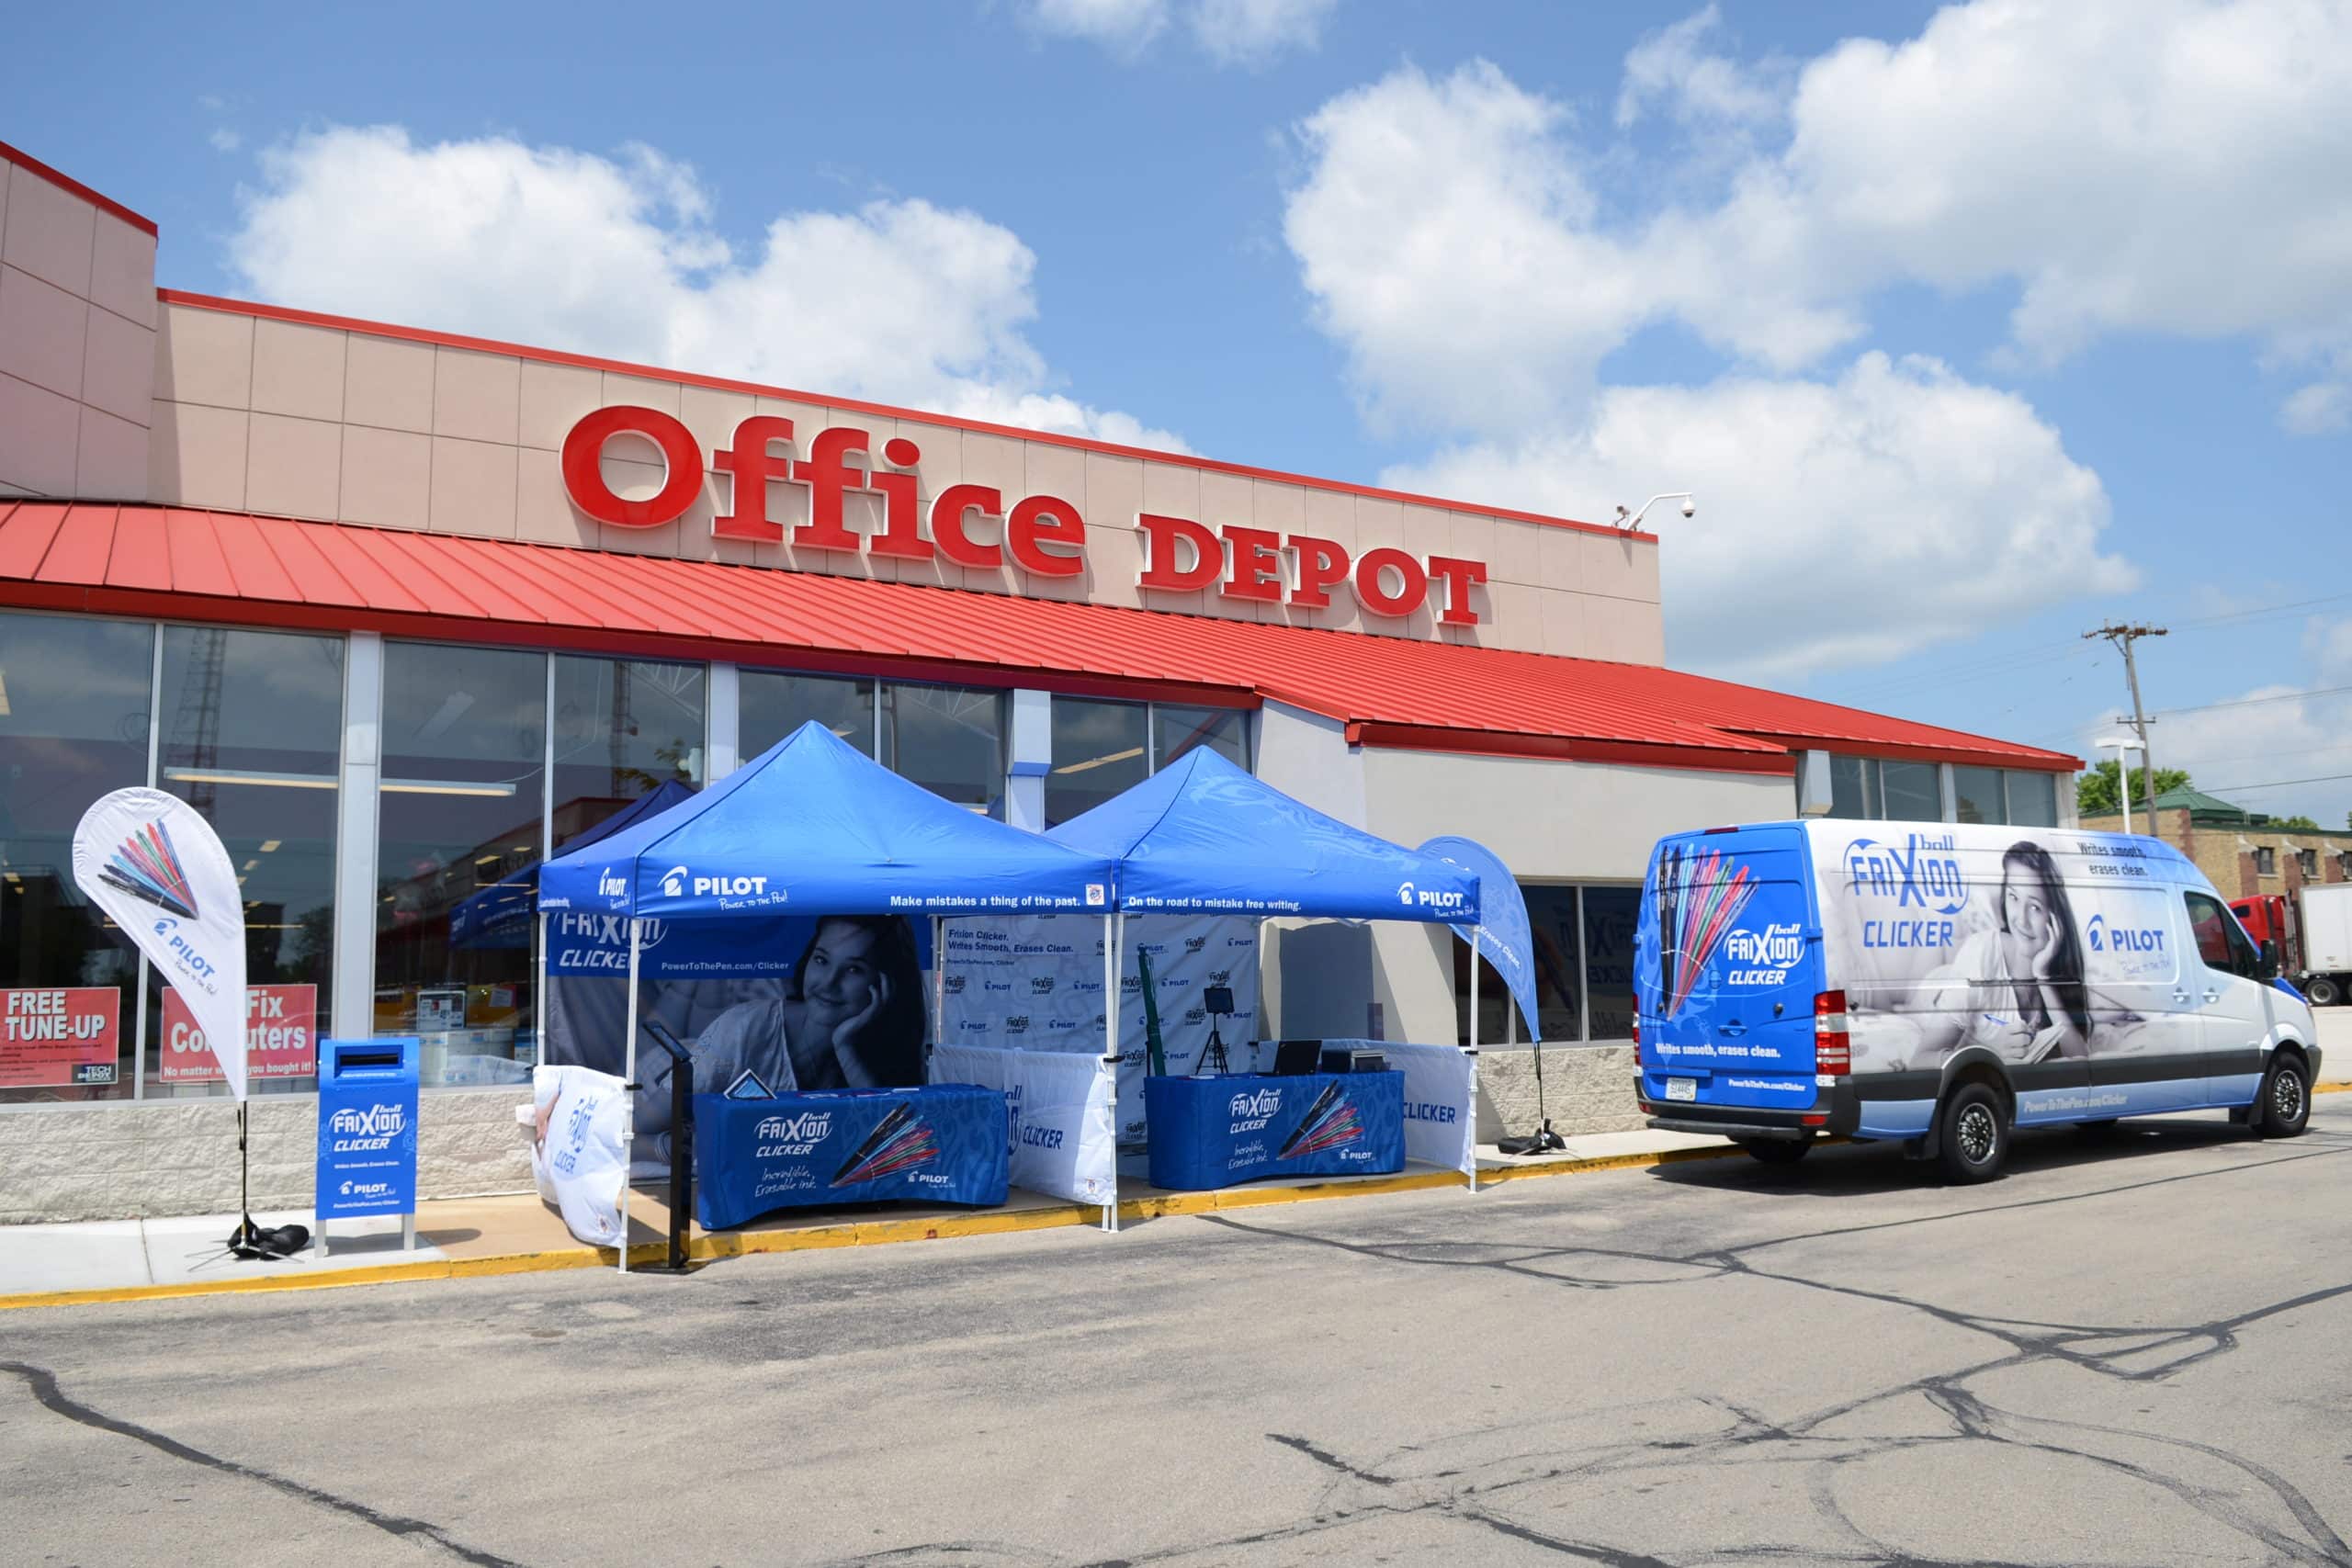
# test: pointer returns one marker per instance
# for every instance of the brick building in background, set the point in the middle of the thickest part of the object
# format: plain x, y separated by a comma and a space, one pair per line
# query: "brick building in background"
2244, 853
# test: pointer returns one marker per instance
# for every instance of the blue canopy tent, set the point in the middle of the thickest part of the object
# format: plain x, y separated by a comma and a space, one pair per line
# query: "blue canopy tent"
501, 914
814, 825
1203, 836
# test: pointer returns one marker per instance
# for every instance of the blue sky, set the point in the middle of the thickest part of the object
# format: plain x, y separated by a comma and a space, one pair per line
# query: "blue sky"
1972, 328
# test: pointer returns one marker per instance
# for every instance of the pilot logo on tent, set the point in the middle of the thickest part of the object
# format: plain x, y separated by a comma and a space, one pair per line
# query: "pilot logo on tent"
611, 886
674, 883
1404, 894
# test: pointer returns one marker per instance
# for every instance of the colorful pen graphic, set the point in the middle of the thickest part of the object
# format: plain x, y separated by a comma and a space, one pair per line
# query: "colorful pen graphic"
901, 1141
147, 866
1699, 899
1329, 1124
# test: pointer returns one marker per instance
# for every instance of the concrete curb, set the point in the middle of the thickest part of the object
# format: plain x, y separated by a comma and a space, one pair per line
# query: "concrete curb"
852, 1233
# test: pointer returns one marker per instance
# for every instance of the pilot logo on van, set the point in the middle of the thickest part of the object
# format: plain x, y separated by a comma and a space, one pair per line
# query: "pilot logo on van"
2129, 950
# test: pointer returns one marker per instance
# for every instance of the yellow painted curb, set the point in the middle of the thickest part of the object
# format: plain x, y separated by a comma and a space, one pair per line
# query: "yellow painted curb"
2332, 1088
1612, 1162
852, 1233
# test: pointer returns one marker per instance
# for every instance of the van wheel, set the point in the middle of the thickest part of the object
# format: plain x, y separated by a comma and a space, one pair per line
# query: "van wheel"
1975, 1143
2322, 991
1777, 1151
2285, 1108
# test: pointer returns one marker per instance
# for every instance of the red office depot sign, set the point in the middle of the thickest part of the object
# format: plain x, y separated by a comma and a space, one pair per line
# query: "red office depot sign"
969, 525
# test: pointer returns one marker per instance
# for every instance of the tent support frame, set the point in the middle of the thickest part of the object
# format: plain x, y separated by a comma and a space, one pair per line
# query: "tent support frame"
629, 1087
1114, 930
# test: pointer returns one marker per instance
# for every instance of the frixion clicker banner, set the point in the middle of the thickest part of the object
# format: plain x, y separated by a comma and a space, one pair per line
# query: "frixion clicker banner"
1035, 984
1057, 1107
1440, 1100
2039, 943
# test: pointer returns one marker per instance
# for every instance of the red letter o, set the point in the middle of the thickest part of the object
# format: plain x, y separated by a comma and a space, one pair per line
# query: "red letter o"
584, 479
1408, 571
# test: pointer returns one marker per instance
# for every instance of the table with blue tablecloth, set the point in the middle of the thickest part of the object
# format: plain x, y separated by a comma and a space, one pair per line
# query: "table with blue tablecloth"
938, 1143
1215, 1132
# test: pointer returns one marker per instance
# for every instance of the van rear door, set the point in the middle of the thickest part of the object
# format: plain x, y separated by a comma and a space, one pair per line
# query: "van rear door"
1727, 960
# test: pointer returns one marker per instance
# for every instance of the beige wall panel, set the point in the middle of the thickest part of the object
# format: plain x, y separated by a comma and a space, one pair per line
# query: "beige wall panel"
294, 467
298, 371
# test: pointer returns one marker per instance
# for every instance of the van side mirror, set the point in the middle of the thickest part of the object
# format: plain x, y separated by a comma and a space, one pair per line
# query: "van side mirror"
2266, 967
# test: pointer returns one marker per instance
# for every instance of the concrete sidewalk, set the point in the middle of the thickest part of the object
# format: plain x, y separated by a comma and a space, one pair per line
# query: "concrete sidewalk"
59, 1265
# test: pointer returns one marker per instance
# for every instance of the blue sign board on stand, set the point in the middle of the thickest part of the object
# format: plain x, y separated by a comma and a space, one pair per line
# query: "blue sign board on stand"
367, 1128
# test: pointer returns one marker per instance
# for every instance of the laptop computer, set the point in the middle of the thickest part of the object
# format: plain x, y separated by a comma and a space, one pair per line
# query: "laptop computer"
1292, 1057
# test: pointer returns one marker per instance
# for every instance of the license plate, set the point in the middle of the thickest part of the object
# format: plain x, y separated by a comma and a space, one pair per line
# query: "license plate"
1683, 1089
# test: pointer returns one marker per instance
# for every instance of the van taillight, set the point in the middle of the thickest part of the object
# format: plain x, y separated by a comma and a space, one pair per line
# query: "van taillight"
1637, 1039
1832, 1051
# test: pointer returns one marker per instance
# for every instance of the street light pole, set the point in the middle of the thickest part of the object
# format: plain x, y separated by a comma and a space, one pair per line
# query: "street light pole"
2122, 745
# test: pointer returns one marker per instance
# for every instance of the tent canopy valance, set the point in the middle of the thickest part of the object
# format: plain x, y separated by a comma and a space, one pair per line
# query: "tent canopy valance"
1202, 836
814, 825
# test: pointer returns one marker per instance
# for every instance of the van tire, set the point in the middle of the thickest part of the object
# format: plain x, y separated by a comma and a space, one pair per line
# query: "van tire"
2322, 991
1777, 1151
2285, 1108
1972, 1142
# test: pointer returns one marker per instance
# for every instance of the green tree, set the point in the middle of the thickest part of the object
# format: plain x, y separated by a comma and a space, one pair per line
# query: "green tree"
2292, 824
2095, 788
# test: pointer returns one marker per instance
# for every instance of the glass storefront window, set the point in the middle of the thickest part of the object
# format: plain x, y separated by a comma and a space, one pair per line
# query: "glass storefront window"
1100, 750
623, 728
771, 705
1553, 919
1608, 916
74, 724
1853, 786
1912, 792
950, 739
1584, 969
1176, 730
1976, 792
2033, 799
464, 784
250, 734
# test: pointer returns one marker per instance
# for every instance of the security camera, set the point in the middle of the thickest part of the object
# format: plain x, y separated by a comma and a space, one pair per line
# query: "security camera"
1690, 508
1623, 511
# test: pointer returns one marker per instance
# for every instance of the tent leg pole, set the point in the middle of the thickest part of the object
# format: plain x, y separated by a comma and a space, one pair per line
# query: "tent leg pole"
1115, 929
539, 999
1476, 932
938, 980
628, 1081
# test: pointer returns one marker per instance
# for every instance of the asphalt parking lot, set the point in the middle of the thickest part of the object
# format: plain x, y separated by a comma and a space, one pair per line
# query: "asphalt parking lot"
2135, 1350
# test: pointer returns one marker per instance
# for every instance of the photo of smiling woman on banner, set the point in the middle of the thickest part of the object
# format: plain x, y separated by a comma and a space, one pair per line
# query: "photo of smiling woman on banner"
850, 1016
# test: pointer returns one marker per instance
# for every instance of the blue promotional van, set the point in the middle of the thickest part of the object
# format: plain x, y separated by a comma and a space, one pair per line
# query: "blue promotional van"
1939, 984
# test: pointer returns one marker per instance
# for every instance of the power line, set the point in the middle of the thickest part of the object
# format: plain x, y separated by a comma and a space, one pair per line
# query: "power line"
2279, 783
2251, 702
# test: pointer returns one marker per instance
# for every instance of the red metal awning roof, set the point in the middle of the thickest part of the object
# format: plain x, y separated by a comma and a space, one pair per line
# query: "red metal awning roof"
172, 563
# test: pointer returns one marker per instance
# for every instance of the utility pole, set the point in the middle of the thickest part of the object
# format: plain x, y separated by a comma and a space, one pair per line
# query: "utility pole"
2123, 636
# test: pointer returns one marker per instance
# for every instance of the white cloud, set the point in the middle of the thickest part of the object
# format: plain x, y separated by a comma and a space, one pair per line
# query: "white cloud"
1253, 33
1249, 33
2164, 166
1123, 27
2172, 166
1670, 71
1840, 522
224, 140
898, 301
2318, 410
